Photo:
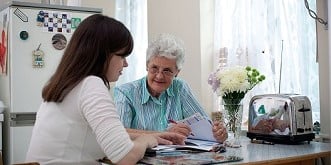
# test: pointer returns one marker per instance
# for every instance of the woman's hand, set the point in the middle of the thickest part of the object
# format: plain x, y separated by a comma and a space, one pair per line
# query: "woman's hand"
219, 132
149, 140
170, 138
180, 128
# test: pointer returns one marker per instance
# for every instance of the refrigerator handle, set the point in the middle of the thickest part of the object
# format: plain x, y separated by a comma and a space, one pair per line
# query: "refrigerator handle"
22, 119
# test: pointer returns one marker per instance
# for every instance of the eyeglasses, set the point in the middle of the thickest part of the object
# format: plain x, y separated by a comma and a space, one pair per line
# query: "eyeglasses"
165, 72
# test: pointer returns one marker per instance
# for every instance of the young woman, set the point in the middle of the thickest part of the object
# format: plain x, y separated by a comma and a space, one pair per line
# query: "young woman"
78, 122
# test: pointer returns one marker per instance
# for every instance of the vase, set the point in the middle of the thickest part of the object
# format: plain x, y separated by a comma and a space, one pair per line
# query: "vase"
232, 120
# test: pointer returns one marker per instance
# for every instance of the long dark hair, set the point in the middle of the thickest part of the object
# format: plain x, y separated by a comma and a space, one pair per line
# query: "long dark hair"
88, 53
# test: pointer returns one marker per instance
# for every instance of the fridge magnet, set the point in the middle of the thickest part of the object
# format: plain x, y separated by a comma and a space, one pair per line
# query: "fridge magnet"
24, 35
21, 15
57, 22
40, 18
59, 41
38, 58
3, 45
75, 22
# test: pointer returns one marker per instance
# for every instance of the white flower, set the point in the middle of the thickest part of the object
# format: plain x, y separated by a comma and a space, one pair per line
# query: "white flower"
234, 82
233, 79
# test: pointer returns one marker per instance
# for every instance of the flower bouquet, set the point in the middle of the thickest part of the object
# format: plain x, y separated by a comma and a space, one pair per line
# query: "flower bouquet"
232, 84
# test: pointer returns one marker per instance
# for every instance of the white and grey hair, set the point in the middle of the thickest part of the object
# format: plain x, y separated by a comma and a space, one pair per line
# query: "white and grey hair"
169, 46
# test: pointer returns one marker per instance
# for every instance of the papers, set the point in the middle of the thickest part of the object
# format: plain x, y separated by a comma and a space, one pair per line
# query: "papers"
186, 154
190, 158
201, 127
200, 142
191, 144
171, 148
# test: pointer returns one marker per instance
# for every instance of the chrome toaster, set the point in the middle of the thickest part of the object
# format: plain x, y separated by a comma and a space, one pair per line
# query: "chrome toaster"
280, 118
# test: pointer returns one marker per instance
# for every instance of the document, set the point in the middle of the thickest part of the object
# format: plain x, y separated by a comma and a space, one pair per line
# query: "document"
196, 142
190, 144
190, 158
201, 127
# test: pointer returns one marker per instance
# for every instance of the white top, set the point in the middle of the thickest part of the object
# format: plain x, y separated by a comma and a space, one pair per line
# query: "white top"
82, 128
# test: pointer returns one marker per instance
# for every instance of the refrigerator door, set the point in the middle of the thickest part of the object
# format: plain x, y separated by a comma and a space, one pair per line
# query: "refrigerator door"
21, 139
22, 84
21, 125
1, 121
27, 80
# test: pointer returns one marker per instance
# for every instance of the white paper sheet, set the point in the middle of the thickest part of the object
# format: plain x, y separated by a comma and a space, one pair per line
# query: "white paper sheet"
201, 127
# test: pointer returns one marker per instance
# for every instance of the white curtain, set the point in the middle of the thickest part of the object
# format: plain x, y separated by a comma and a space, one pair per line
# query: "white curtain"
74, 2
133, 14
259, 32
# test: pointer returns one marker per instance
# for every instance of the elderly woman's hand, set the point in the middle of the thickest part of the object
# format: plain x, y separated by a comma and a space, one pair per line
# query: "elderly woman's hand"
219, 132
180, 128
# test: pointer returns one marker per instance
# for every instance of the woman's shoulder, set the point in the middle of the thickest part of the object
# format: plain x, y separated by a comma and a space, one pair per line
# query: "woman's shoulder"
178, 82
92, 79
92, 83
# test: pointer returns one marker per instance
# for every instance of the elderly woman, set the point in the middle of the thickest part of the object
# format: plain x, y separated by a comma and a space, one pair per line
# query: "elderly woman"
146, 105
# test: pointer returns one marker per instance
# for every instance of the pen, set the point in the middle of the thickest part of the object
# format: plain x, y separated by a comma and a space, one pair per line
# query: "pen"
262, 142
174, 122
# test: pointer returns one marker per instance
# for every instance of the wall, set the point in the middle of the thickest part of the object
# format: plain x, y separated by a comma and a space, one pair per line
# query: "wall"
207, 52
192, 21
328, 46
107, 6
324, 69
181, 18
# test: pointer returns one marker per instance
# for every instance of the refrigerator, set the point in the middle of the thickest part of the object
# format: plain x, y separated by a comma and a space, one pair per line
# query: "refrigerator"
33, 37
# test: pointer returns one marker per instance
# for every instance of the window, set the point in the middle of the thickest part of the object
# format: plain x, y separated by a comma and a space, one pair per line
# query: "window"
134, 15
278, 37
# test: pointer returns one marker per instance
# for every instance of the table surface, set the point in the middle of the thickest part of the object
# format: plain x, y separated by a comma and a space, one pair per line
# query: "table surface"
278, 153
253, 153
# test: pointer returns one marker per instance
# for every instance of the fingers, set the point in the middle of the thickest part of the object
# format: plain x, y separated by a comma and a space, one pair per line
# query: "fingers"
219, 132
151, 140
181, 128
173, 138
163, 141
216, 123
179, 139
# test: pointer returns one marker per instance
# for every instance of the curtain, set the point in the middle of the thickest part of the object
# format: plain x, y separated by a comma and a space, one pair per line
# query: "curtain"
133, 14
74, 2
278, 37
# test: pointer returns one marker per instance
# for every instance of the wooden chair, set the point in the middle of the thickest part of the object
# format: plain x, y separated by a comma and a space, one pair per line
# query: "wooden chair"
105, 160
27, 163
1, 161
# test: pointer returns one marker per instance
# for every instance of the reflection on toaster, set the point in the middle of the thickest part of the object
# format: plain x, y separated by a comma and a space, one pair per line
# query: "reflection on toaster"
280, 116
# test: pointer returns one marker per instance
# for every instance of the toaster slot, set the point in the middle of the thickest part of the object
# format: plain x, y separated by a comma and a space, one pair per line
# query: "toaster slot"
304, 110
300, 130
